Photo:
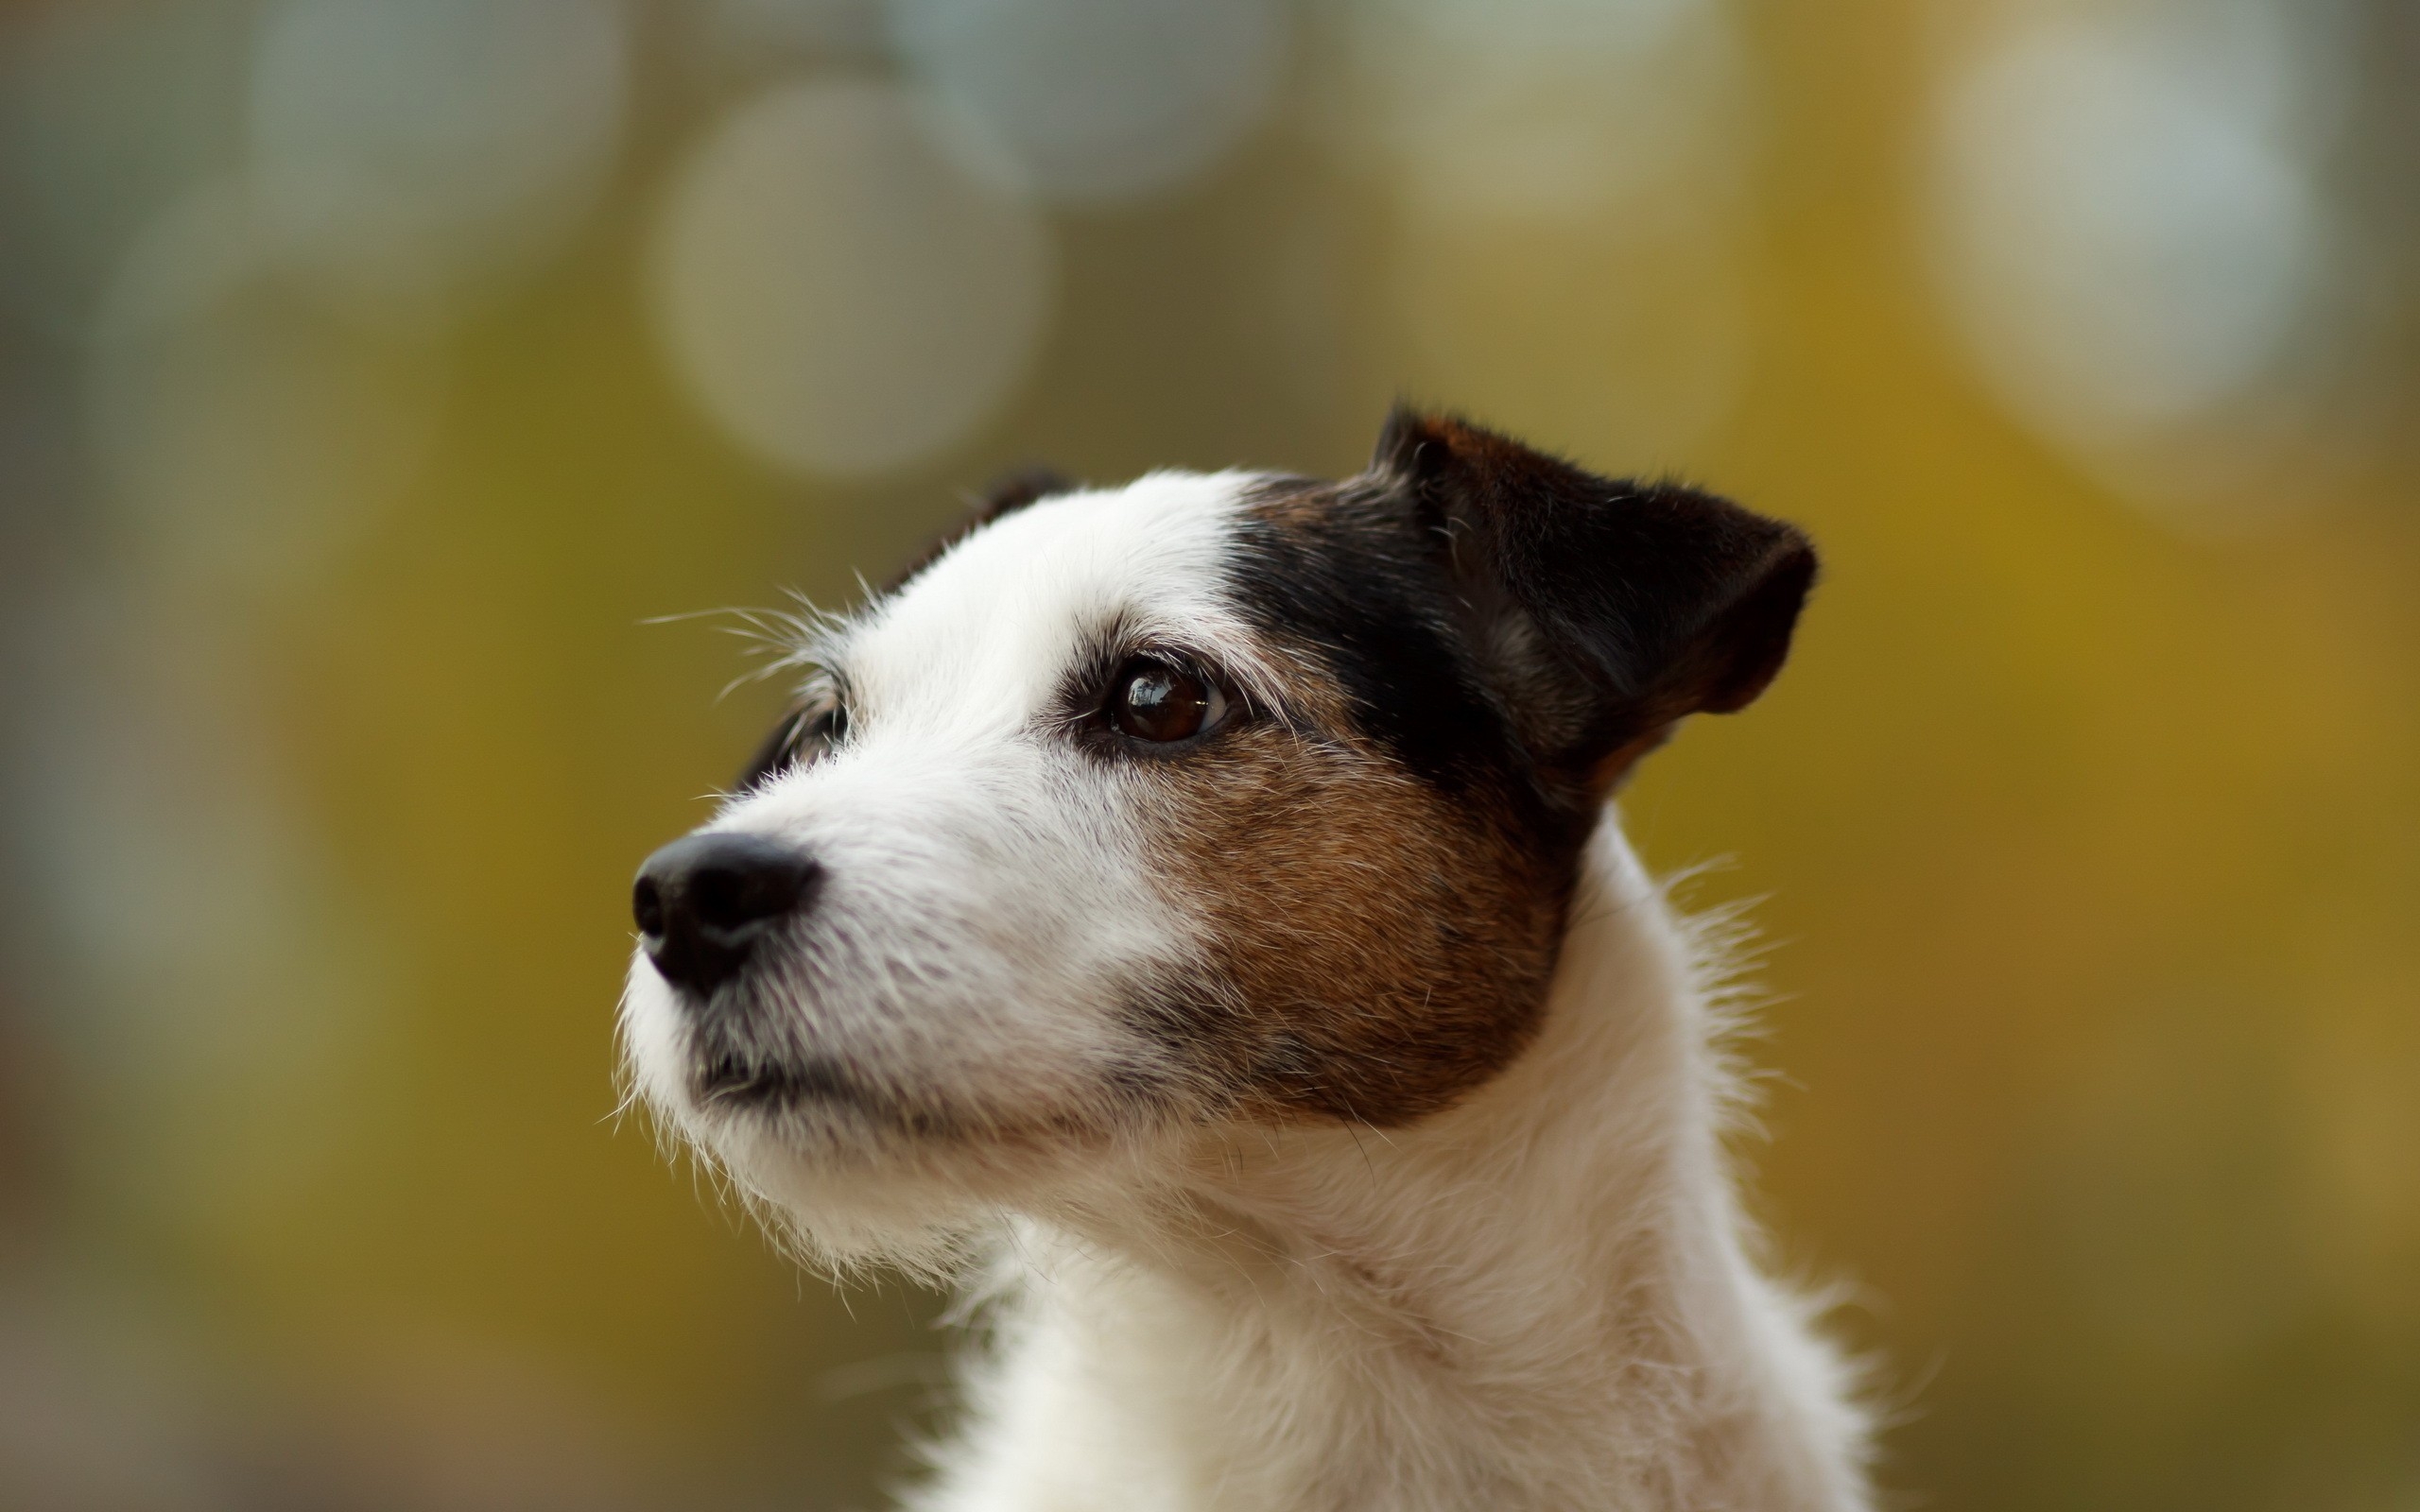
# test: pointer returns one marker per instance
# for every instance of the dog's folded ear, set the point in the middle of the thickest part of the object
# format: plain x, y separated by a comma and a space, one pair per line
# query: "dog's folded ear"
1603, 612
1013, 490
1004, 495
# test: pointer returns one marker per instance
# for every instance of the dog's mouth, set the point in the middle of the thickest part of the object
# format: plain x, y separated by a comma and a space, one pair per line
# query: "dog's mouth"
739, 1084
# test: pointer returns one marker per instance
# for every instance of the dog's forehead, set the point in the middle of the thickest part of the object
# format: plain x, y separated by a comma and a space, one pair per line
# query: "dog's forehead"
988, 632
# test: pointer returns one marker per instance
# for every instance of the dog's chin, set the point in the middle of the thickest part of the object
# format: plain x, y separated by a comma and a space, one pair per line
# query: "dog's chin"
861, 1158
858, 1176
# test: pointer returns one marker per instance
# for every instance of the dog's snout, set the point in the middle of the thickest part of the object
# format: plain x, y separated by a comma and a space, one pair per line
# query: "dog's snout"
704, 901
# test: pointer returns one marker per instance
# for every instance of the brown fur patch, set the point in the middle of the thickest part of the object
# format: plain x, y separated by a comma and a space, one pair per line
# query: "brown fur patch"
1375, 948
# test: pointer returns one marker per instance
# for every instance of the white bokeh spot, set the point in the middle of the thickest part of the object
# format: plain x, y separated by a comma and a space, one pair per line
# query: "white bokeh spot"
1099, 100
403, 147
2125, 229
842, 295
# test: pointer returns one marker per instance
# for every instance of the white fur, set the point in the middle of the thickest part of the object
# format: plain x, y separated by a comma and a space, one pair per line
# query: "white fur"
1539, 1299
987, 892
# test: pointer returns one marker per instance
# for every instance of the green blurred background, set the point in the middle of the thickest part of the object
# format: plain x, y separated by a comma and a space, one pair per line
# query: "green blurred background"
371, 371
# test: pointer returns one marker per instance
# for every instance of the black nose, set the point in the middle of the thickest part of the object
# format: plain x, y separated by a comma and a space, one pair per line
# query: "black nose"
704, 901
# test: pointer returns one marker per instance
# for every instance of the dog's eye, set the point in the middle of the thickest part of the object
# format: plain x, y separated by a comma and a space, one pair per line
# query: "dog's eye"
828, 726
1152, 700
802, 735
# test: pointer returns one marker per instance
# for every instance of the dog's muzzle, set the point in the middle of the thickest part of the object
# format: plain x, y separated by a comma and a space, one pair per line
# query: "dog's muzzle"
704, 901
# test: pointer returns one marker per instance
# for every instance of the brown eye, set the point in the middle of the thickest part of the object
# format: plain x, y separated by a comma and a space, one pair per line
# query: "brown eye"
1152, 701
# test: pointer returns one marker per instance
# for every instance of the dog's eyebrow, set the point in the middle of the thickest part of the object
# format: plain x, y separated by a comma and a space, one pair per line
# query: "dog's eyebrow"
1099, 648
1102, 647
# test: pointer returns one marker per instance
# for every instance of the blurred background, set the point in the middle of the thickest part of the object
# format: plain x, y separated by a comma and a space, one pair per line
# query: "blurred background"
372, 371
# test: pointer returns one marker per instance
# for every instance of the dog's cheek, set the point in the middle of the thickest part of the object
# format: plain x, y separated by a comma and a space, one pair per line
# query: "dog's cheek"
984, 927
1104, 935
1371, 949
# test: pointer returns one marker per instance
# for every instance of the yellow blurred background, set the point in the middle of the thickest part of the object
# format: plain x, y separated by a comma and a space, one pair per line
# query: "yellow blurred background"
373, 371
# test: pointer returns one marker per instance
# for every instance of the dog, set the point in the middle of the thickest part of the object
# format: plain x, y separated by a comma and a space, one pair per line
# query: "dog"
1191, 916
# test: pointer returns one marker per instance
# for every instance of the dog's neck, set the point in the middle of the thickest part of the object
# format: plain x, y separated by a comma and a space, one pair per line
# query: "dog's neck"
1538, 1299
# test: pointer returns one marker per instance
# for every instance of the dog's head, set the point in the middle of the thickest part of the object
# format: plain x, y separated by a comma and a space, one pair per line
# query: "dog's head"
1213, 799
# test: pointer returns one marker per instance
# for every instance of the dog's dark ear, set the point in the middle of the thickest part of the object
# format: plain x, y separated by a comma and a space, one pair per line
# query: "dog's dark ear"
1012, 491
1603, 611
1005, 495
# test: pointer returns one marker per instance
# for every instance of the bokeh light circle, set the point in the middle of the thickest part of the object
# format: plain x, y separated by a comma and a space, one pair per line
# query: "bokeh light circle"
2127, 243
404, 145
1542, 107
1099, 100
842, 296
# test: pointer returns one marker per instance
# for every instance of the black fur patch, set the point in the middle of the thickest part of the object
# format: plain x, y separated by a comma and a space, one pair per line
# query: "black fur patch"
1638, 604
1346, 573
1349, 577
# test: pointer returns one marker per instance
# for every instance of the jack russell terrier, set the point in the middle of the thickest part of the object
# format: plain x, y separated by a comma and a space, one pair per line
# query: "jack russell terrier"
1190, 916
